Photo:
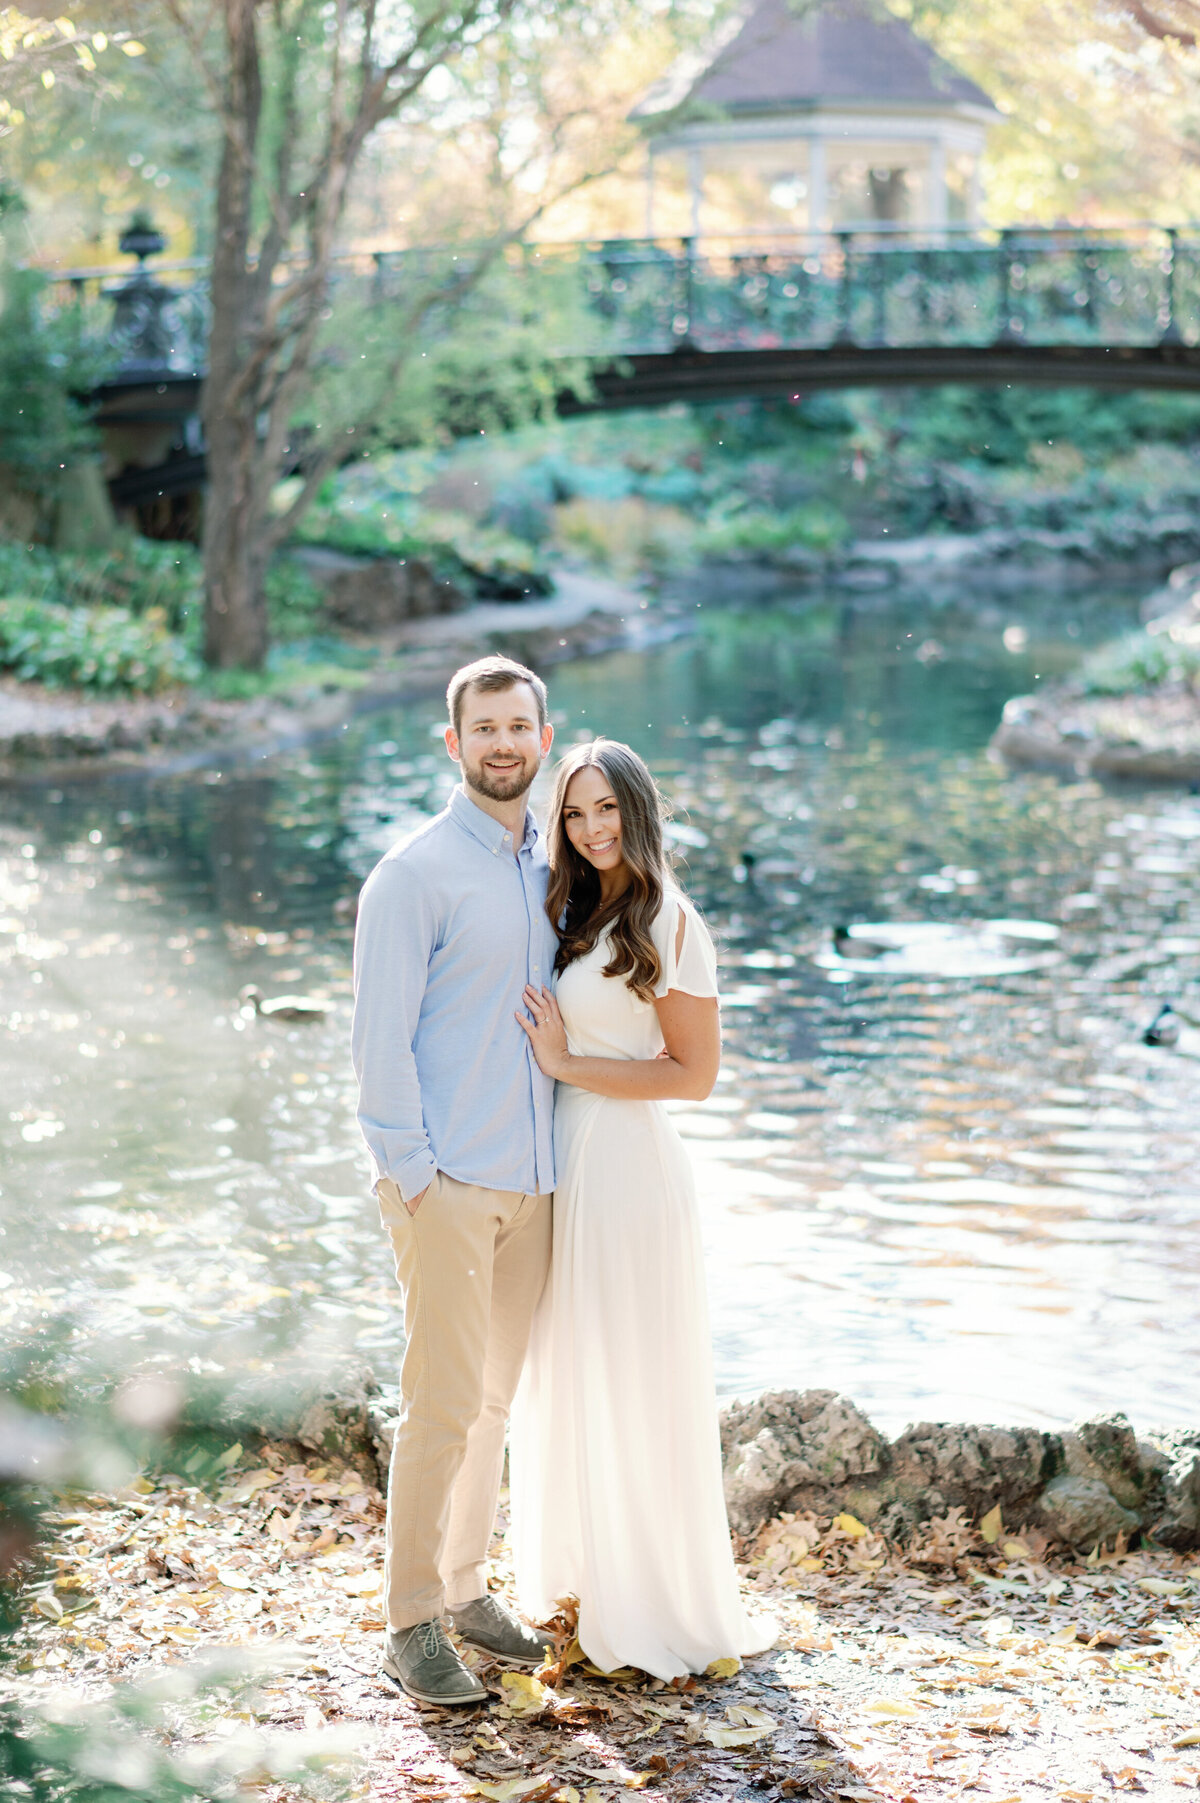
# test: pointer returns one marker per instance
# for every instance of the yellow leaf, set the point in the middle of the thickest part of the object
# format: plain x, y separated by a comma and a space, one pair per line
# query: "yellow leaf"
734, 1737
246, 1486
1190, 1739
893, 1709
133, 48
233, 1579
1161, 1586
1015, 1549
745, 1715
568, 1794
809, 1564
723, 1668
622, 1675
361, 1583
508, 1790
991, 1525
1065, 1637
99, 41
523, 1694
850, 1524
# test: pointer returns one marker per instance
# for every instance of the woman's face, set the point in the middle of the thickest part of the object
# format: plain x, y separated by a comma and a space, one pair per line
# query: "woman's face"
592, 819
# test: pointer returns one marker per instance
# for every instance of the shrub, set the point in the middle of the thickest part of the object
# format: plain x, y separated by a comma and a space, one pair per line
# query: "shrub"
1139, 660
104, 648
813, 528
625, 536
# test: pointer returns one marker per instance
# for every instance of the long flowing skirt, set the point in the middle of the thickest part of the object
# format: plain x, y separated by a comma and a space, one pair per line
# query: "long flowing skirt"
615, 1454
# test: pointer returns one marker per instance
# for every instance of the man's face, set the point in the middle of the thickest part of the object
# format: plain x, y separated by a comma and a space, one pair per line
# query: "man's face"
500, 744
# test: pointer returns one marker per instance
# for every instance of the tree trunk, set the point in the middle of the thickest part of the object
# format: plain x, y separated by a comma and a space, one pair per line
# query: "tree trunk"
236, 511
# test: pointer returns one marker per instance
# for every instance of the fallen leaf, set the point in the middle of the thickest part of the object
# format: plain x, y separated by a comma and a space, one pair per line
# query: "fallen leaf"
233, 1579
523, 1694
991, 1525
1015, 1549
809, 1564
508, 1790
360, 1583
893, 1709
1162, 1586
1190, 1738
850, 1524
717, 1736
745, 1715
723, 1668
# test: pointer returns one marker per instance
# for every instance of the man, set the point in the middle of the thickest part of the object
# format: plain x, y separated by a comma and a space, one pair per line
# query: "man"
458, 1121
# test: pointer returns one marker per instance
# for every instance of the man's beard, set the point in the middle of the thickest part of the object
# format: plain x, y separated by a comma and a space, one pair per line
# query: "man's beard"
496, 788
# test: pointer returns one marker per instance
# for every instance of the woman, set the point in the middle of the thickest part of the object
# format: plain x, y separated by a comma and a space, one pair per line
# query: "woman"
616, 1465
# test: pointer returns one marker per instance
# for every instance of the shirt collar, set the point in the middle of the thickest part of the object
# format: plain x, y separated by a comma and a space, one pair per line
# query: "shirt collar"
486, 829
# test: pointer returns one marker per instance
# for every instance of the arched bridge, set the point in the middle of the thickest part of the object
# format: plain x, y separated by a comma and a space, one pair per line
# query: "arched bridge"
707, 319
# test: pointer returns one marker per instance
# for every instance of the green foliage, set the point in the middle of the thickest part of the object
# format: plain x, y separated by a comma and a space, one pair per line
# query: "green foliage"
139, 574
1140, 660
1002, 425
104, 648
46, 361
812, 528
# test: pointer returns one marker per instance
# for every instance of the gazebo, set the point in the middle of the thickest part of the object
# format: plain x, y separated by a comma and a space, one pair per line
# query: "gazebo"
826, 117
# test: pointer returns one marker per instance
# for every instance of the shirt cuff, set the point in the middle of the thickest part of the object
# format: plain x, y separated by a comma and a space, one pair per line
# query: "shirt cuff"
414, 1175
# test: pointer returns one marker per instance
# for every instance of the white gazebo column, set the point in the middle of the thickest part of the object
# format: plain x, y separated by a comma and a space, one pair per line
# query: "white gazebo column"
975, 195
937, 203
818, 185
649, 221
695, 182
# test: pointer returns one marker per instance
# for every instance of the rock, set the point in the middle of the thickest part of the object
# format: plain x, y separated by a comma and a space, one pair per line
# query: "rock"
383, 1413
1178, 1453
785, 1450
1083, 1512
323, 1406
938, 1466
1107, 1450
387, 590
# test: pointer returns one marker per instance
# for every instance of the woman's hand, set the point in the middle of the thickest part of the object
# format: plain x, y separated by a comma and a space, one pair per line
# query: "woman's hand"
545, 1031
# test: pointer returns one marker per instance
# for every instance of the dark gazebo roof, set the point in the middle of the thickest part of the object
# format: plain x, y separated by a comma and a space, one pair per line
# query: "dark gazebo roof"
845, 50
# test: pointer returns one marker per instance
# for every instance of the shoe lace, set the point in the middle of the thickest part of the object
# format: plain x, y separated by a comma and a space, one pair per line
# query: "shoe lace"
433, 1639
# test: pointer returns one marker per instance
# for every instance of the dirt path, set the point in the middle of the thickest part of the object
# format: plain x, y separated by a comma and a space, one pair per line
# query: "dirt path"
976, 1668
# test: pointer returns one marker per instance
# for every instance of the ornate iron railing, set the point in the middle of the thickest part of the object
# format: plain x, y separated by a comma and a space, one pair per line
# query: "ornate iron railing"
878, 288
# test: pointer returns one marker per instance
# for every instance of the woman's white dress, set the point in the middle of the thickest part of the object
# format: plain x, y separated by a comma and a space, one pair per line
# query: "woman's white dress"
615, 1456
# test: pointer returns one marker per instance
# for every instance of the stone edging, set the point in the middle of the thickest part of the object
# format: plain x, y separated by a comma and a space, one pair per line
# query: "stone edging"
815, 1450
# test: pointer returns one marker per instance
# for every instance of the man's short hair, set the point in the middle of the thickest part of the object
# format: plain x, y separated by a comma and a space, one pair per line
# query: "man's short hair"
489, 676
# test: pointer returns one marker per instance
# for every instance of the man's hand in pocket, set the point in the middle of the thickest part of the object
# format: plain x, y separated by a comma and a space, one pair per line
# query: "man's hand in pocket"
414, 1202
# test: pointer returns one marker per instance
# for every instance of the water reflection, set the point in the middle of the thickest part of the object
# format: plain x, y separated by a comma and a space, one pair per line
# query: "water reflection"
945, 1195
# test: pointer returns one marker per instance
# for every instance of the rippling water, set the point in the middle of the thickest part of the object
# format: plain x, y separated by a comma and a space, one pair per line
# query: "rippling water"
943, 1195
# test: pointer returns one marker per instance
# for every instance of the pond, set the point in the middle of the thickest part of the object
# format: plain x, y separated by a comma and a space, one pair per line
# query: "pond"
947, 1192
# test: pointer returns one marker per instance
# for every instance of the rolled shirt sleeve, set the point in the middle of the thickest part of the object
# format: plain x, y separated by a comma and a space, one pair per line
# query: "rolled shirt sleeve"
393, 943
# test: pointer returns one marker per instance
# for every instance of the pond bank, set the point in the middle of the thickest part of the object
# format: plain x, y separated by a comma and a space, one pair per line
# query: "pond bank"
816, 1451
986, 1664
46, 732
1133, 712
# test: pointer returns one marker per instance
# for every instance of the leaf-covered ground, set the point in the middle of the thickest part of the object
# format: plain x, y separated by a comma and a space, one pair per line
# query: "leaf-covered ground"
980, 1664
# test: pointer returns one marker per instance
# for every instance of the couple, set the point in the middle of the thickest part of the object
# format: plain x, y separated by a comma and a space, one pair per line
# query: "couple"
489, 967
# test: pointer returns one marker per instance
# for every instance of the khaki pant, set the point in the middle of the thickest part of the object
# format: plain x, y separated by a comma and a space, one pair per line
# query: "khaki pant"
472, 1264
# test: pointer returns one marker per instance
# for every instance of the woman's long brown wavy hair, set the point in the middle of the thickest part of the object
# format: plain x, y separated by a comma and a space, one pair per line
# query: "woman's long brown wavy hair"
573, 898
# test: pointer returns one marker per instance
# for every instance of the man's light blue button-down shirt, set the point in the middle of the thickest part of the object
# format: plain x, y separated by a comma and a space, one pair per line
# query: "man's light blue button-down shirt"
451, 926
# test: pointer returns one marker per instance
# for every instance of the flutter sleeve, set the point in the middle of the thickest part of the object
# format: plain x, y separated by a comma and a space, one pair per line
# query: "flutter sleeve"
694, 968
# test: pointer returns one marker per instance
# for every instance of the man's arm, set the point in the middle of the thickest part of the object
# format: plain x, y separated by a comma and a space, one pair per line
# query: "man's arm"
393, 943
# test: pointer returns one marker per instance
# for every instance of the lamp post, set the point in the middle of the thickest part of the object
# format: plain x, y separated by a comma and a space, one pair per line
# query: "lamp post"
142, 333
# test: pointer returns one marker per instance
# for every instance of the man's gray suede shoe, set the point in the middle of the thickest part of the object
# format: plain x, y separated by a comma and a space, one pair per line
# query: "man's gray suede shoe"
491, 1625
423, 1663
